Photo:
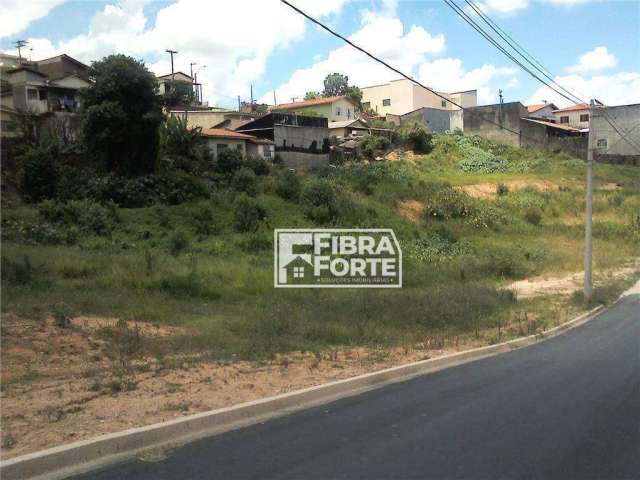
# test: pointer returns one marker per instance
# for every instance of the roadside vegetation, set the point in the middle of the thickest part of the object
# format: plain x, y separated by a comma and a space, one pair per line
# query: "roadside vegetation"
168, 237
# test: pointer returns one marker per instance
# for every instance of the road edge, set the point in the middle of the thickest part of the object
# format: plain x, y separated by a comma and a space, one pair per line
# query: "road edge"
86, 455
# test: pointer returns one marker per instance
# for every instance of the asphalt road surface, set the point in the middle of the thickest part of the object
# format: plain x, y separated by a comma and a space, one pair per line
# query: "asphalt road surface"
567, 408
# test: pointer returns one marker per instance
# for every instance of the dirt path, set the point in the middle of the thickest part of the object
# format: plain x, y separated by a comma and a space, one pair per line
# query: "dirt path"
566, 285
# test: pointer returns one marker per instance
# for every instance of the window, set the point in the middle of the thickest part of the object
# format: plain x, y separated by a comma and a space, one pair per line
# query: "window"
564, 119
386, 102
584, 117
32, 94
43, 94
348, 113
602, 143
338, 111
443, 103
366, 105
298, 272
266, 151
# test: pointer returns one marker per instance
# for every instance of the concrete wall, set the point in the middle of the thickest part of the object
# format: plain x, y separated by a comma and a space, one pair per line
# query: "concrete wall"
216, 145
508, 115
436, 120
306, 161
545, 113
627, 119
335, 112
259, 150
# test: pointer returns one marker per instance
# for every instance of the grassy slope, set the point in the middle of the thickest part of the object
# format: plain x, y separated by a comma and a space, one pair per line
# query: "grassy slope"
220, 288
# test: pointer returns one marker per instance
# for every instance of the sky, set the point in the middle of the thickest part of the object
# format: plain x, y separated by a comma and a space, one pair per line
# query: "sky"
592, 47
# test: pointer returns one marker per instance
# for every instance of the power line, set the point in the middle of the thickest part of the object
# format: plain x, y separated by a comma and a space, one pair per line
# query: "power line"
370, 55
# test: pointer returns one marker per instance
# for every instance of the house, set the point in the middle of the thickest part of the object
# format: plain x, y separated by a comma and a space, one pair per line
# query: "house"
542, 110
402, 96
176, 80
576, 116
47, 90
299, 271
510, 123
348, 128
220, 139
437, 120
335, 109
300, 141
619, 144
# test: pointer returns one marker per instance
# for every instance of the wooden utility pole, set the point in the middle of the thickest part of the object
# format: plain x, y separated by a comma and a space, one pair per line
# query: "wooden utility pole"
171, 52
588, 221
274, 97
19, 44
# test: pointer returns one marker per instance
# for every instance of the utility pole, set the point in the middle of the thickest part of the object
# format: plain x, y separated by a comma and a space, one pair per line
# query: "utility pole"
588, 221
19, 44
252, 96
171, 52
191, 67
239, 103
274, 97
194, 85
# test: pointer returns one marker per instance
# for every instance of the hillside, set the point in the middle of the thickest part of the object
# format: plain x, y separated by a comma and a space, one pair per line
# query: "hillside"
472, 217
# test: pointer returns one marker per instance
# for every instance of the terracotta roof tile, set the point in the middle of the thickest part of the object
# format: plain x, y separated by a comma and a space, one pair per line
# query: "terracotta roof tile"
573, 108
309, 103
225, 133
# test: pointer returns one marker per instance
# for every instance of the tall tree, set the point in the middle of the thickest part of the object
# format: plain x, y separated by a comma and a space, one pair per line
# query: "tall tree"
335, 84
121, 114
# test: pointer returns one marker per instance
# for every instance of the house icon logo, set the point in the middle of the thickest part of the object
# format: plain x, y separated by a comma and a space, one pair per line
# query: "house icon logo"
337, 258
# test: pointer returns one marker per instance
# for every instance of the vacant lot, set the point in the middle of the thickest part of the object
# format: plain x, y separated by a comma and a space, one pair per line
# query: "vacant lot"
115, 317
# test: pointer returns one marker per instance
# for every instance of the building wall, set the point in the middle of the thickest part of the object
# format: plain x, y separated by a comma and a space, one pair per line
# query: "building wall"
574, 118
545, 113
627, 118
508, 115
259, 150
335, 112
216, 145
305, 161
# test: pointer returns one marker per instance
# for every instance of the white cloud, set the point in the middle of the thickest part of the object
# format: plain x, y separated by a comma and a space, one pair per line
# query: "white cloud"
16, 15
597, 59
500, 6
234, 42
449, 75
567, 3
403, 49
615, 89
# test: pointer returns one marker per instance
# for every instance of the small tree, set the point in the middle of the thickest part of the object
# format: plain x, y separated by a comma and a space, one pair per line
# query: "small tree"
312, 95
335, 84
121, 115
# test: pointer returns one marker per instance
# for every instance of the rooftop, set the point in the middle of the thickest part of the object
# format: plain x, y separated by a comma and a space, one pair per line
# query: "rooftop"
573, 108
310, 103
559, 126
539, 106
231, 134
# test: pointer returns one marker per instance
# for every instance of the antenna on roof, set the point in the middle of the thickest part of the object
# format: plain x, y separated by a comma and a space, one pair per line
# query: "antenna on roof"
19, 45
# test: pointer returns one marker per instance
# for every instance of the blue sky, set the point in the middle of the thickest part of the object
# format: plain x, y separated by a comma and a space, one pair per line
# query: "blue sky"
591, 46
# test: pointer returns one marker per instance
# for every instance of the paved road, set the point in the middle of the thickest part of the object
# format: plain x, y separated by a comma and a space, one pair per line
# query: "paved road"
568, 408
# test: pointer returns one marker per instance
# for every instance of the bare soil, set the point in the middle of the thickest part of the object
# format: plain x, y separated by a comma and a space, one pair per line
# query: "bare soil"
488, 190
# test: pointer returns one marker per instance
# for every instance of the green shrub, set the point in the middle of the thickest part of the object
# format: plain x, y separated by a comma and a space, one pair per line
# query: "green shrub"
87, 215
38, 174
258, 164
502, 189
372, 144
289, 186
486, 215
202, 221
533, 216
178, 243
245, 180
418, 138
248, 213
229, 160
320, 201
447, 202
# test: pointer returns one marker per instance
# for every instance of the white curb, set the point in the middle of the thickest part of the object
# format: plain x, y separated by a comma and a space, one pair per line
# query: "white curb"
86, 455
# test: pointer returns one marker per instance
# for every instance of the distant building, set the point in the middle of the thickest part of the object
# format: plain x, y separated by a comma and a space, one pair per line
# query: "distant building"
177, 79
622, 143
47, 90
542, 110
576, 116
402, 96
214, 118
220, 139
334, 109
301, 141
437, 120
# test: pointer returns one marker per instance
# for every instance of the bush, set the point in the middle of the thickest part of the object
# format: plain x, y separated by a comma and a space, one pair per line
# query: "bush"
533, 216
248, 214
502, 189
419, 138
372, 144
447, 202
178, 243
86, 215
289, 186
38, 174
202, 221
320, 201
244, 180
258, 165
229, 160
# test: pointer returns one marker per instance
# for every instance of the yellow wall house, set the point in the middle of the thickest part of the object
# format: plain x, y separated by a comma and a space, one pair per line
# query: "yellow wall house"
335, 109
402, 96
576, 116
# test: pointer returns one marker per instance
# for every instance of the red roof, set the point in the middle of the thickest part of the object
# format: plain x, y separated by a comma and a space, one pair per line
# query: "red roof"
310, 103
579, 106
231, 134
559, 126
539, 106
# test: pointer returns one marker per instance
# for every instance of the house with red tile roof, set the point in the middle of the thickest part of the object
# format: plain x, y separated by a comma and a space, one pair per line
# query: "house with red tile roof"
576, 116
542, 110
220, 139
334, 109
